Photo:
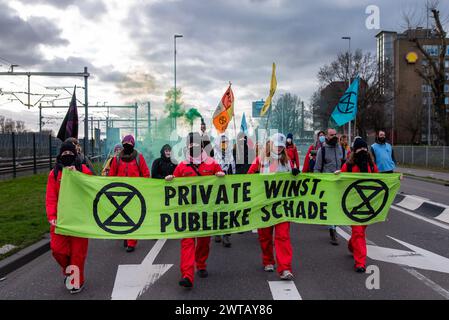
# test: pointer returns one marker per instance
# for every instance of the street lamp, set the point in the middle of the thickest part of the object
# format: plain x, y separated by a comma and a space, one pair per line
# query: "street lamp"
174, 100
349, 81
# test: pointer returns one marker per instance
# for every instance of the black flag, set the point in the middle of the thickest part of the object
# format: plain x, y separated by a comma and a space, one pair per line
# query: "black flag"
69, 127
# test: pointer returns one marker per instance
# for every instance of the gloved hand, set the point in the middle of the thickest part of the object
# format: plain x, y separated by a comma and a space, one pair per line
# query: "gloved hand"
295, 171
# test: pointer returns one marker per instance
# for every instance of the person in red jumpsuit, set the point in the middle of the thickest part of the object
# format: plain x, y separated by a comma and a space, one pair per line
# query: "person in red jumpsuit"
129, 163
68, 251
195, 250
292, 152
275, 159
360, 160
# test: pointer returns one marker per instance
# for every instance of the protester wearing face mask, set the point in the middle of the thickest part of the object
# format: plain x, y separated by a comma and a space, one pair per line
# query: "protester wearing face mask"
82, 157
67, 250
275, 159
329, 160
359, 161
383, 154
195, 251
164, 165
129, 163
310, 158
292, 152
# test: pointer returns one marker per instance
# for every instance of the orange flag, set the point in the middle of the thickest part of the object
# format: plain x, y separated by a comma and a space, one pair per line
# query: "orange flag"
224, 112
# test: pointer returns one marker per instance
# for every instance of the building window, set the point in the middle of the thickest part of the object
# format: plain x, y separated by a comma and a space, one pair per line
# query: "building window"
447, 76
426, 88
446, 101
424, 62
446, 88
432, 50
446, 64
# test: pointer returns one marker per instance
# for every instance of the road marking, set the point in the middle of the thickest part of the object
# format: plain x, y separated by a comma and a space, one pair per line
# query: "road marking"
444, 216
373, 253
411, 202
284, 290
417, 216
434, 286
132, 280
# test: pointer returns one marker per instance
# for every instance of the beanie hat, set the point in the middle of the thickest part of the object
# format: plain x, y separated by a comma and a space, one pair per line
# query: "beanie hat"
128, 139
359, 143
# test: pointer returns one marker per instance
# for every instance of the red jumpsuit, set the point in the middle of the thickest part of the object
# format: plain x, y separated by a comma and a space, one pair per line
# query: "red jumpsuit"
195, 250
292, 153
282, 242
357, 243
66, 250
129, 169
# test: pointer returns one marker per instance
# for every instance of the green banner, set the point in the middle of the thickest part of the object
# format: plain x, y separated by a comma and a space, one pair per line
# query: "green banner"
142, 208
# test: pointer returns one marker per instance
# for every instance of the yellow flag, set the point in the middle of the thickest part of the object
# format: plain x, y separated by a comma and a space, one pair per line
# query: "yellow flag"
273, 86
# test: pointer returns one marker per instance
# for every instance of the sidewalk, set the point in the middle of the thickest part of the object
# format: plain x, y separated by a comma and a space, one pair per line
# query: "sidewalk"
423, 173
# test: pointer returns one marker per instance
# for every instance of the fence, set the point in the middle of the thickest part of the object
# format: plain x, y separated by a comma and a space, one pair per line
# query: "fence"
29, 152
423, 156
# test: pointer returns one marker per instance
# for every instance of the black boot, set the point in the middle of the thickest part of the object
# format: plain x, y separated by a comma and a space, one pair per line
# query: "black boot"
333, 234
226, 241
186, 283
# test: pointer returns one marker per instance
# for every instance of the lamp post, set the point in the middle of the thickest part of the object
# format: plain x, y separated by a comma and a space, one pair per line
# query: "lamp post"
174, 98
349, 83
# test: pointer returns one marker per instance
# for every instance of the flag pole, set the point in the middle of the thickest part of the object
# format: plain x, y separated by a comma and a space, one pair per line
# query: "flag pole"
235, 128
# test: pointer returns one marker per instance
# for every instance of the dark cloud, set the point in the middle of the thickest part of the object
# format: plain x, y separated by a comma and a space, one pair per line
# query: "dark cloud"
237, 40
89, 8
21, 39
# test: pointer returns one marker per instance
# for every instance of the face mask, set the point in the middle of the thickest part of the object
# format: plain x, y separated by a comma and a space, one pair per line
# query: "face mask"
322, 139
361, 159
67, 160
381, 140
333, 141
128, 149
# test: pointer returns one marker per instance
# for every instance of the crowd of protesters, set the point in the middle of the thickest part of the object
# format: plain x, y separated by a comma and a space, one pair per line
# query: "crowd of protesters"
330, 153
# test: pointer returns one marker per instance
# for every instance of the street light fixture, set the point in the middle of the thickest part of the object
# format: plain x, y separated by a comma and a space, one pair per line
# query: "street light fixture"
174, 100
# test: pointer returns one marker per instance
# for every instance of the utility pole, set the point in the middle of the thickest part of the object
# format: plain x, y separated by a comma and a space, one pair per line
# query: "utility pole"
84, 74
149, 119
349, 81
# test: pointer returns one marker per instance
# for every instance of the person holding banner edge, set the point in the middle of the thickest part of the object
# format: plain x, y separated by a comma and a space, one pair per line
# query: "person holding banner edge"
274, 159
129, 163
360, 160
195, 250
67, 250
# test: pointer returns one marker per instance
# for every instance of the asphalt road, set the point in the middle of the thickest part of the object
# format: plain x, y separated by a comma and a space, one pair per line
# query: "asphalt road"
322, 271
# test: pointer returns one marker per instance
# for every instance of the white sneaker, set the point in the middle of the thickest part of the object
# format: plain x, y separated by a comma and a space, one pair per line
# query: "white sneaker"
286, 275
269, 268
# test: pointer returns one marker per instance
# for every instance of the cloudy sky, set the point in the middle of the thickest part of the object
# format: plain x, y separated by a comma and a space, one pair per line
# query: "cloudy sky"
128, 47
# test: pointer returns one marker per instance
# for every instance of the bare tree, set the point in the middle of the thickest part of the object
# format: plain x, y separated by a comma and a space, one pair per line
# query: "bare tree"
433, 73
371, 100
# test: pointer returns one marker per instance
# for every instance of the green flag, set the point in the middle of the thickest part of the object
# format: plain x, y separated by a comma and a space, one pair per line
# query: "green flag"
142, 208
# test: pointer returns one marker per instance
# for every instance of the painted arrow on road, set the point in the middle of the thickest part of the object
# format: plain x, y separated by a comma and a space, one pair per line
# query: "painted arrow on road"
132, 280
417, 258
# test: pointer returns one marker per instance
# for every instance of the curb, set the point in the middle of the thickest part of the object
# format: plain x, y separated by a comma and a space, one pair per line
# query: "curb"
423, 207
426, 179
24, 256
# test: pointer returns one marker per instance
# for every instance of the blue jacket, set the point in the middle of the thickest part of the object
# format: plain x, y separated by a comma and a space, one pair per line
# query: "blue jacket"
383, 156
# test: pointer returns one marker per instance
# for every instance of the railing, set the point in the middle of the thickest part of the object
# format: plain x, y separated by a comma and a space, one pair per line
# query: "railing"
423, 156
